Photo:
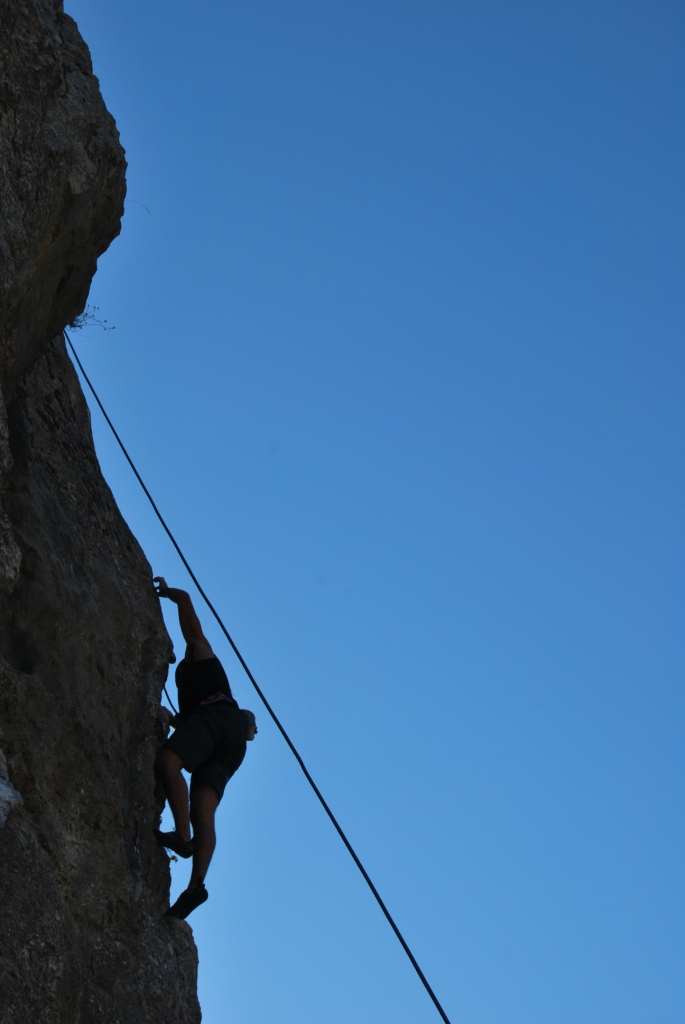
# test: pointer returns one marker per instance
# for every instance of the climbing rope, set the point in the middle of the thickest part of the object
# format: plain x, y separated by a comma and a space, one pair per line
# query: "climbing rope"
263, 699
174, 709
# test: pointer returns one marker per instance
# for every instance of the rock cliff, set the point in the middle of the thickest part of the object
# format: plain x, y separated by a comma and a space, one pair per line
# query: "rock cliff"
83, 648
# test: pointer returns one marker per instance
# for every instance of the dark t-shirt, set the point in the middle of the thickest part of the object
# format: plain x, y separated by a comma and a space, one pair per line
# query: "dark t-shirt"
199, 680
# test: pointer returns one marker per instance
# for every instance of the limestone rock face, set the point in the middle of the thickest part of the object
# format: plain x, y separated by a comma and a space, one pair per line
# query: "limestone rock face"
83, 648
61, 178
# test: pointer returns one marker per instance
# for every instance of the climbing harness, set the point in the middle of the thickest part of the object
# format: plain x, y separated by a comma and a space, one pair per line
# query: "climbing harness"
263, 699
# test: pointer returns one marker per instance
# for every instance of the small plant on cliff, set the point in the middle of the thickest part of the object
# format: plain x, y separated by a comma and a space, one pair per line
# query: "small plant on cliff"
89, 318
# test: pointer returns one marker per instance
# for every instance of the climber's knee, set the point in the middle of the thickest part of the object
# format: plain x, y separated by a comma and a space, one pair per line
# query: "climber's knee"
204, 801
167, 760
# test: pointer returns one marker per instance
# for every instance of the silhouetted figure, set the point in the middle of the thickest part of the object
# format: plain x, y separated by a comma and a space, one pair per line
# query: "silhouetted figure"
210, 739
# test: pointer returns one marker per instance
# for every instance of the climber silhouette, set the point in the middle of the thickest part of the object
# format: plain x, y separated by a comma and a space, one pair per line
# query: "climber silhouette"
211, 733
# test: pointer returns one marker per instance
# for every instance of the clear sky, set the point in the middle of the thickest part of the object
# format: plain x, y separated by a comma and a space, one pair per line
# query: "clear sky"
399, 351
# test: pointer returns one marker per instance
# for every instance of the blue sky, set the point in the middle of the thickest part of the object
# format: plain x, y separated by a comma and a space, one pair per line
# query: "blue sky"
398, 349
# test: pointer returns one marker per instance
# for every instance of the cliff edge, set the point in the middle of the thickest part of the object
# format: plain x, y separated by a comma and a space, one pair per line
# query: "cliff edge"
83, 648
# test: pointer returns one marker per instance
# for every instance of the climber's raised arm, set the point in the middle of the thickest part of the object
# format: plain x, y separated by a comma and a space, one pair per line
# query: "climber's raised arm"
188, 621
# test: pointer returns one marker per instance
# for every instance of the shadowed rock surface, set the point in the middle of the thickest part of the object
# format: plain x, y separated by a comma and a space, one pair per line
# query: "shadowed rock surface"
83, 648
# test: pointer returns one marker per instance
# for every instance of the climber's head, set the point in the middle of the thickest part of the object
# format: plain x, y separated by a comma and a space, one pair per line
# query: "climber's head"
170, 661
251, 724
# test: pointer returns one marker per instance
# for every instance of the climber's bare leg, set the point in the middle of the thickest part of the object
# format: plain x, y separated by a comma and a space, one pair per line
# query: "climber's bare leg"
204, 801
169, 766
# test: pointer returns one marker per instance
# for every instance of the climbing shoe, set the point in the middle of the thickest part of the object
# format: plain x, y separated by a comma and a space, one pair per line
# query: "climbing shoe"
187, 902
174, 841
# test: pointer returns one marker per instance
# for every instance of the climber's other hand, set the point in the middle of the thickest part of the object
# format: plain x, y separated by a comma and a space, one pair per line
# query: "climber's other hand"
168, 717
161, 588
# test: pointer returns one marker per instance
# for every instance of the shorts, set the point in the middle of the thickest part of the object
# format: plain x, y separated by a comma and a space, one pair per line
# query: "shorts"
211, 743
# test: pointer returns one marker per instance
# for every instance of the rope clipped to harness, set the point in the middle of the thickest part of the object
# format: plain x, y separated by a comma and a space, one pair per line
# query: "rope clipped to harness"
263, 699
